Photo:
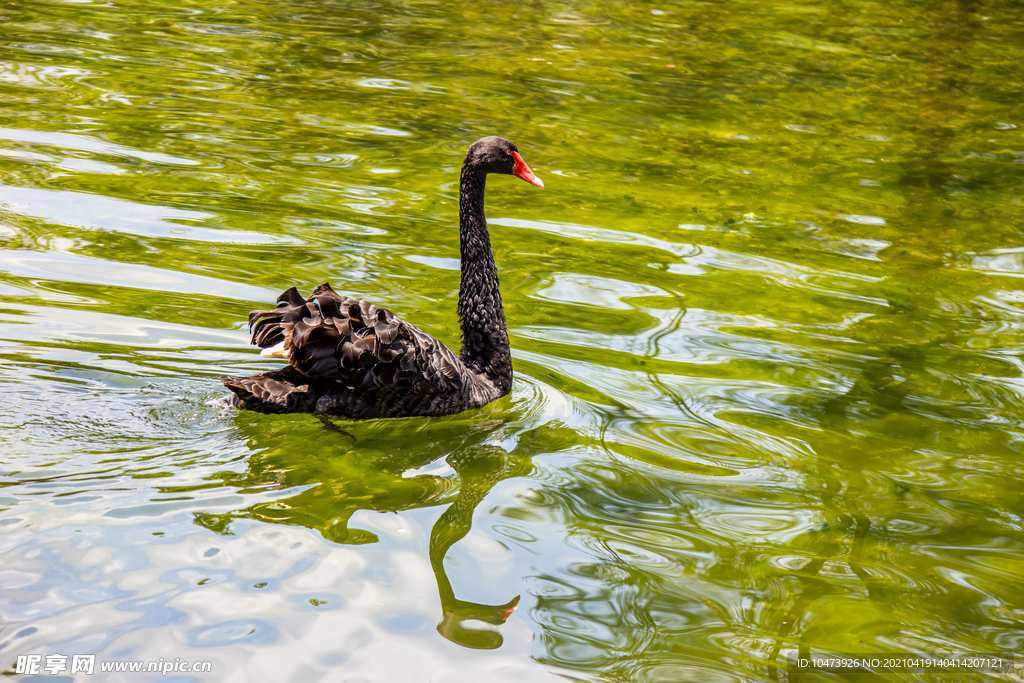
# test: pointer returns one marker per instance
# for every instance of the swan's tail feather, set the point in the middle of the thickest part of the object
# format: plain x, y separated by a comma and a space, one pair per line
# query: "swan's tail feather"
280, 391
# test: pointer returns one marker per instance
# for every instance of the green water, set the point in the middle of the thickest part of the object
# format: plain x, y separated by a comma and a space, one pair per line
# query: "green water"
767, 324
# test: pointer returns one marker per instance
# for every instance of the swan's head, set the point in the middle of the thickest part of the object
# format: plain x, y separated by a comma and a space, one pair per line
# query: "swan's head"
498, 155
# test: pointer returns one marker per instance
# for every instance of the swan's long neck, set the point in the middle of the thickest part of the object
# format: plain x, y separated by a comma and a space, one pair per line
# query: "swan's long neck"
485, 347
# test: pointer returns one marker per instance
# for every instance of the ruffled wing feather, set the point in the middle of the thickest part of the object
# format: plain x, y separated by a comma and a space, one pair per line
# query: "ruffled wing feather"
329, 336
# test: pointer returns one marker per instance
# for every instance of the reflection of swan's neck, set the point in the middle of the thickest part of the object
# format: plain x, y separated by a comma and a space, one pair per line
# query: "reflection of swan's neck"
450, 528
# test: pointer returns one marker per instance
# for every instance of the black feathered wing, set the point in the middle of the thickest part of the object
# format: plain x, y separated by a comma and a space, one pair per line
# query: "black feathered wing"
330, 337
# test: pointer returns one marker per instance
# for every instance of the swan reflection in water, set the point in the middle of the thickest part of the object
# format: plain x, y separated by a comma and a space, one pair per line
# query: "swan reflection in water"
362, 468
479, 472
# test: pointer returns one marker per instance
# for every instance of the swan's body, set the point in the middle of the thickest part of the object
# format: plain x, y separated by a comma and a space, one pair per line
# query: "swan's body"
349, 358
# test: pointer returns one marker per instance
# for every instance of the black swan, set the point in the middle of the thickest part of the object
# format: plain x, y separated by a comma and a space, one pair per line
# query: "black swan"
349, 358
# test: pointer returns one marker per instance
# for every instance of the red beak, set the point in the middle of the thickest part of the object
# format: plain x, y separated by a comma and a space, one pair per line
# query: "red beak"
524, 172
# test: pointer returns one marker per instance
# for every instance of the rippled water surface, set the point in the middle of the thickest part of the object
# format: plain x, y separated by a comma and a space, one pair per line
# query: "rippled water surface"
767, 321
